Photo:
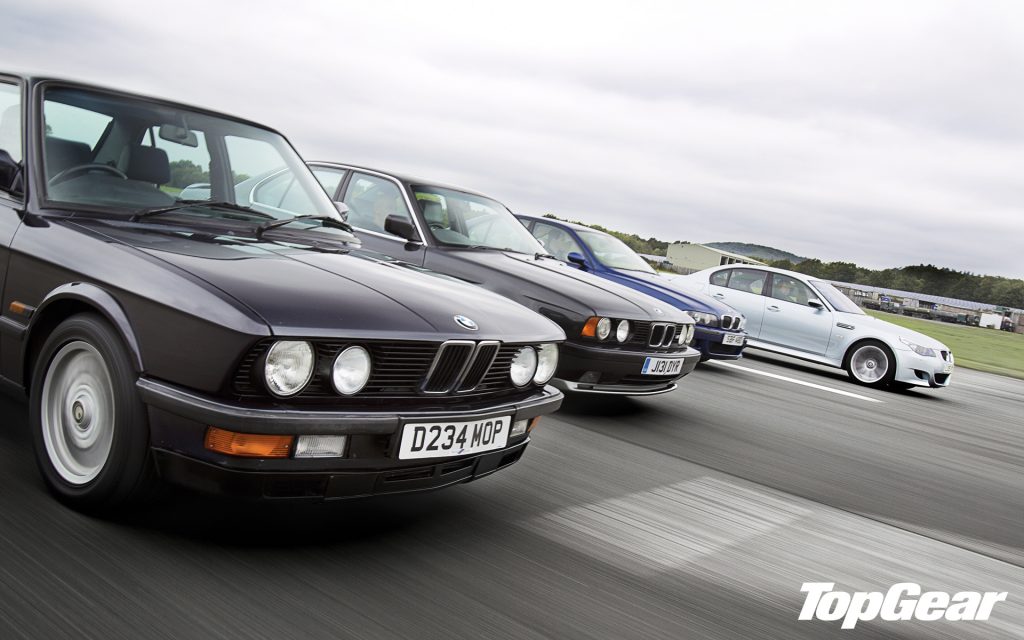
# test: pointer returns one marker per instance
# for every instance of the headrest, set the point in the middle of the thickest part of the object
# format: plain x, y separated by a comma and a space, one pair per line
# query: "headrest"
147, 164
63, 154
432, 211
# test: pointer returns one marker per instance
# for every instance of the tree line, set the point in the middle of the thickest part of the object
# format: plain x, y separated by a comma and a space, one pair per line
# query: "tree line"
924, 278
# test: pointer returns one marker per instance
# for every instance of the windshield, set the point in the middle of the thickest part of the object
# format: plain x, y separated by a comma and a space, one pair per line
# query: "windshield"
614, 253
126, 155
462, 219
836, 298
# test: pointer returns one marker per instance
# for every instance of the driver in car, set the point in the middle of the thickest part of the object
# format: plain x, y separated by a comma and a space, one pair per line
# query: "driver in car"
784, 290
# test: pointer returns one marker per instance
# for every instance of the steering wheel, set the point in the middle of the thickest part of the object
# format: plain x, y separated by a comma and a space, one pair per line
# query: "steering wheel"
71, 172
435, 226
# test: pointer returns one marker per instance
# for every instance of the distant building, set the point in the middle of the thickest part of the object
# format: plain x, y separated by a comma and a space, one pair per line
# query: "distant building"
690, 257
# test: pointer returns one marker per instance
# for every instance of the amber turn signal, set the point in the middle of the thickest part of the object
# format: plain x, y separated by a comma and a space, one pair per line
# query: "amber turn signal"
590, 329
533, 423
248, 445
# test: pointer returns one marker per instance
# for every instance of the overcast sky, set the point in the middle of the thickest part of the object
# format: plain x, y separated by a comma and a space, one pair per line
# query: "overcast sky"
888, 133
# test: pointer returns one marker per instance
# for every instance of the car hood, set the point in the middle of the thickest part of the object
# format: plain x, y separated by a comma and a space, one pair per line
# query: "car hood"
683, 298
881, 328
356, 294
550, 281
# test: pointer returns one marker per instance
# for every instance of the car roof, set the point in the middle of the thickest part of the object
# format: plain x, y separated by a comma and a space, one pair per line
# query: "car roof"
795, 274
37, 79
398, 176
564, 223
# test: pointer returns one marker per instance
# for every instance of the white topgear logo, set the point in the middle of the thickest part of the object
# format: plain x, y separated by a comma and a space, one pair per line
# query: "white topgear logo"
825, 604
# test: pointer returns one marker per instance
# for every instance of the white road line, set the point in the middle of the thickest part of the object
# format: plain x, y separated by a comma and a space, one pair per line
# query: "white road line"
794, 381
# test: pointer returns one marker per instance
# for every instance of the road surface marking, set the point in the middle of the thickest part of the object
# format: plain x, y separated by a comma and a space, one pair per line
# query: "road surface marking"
663, 528
794, 381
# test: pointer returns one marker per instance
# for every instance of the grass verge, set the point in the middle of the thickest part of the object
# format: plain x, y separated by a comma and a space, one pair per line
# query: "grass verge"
989, 350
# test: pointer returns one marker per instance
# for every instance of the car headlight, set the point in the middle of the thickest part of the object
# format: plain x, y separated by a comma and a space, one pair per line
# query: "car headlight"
524, 366
918, 349
706, 319
604, 328
690, 330
622, 331
547, 362
351, 370
288, 368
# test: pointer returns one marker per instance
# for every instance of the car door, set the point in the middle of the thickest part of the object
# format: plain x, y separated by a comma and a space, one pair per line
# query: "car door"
12, 178
790, 320
371, 199
742, 289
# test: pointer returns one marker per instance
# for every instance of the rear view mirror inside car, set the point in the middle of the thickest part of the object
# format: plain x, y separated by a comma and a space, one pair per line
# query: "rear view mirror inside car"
180, 135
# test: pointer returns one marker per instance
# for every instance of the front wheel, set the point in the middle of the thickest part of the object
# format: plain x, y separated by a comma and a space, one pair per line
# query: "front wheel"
871, 363
89, 428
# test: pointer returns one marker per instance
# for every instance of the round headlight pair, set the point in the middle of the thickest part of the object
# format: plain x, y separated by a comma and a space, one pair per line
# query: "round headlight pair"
537, 365
289, 367
601, 329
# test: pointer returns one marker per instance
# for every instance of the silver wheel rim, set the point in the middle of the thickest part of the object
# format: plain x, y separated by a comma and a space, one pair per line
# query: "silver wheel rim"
869, 364
78, 412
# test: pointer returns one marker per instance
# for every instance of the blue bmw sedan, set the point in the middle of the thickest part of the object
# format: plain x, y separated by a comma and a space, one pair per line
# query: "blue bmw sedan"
719, 334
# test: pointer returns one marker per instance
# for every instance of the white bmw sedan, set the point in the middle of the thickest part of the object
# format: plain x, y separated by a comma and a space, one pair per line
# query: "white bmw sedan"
800, 316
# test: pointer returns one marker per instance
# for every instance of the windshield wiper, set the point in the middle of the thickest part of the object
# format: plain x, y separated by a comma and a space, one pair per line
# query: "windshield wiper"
327, 221
185, 204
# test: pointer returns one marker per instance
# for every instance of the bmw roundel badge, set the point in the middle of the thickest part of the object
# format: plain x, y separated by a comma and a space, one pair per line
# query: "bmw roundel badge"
466, 323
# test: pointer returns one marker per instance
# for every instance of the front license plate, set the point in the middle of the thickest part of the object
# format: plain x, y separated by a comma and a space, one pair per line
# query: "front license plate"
947, 369
662, 366
733, 339
445, 438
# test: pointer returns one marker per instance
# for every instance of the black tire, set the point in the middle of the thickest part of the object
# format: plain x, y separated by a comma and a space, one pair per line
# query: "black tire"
859, 359
85, 352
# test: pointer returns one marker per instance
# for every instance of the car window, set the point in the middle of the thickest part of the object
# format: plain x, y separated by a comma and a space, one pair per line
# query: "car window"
836, 298
124, 155
371, 200
749, 280
190, 166
614, 253
329, 179
558, 242
790, 289
720, 278
458, 218
10, 120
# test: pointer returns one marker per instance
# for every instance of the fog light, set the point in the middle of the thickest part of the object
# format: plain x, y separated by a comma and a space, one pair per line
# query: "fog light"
320, 446
518, 428
247, 445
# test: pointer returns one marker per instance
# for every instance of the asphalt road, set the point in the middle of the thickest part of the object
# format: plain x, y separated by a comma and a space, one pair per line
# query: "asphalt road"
696, 514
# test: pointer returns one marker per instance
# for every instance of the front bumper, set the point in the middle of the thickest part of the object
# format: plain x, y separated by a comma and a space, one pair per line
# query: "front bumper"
709, 342
179, 419
923, 371
591, 369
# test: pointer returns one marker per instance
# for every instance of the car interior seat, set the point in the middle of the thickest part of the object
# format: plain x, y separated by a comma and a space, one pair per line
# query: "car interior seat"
146, 164
63, 154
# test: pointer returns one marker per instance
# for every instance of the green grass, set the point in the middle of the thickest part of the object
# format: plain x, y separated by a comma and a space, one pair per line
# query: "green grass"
989, 350
171, 190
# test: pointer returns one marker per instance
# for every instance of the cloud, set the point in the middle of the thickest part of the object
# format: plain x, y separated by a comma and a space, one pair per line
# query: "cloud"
880, 133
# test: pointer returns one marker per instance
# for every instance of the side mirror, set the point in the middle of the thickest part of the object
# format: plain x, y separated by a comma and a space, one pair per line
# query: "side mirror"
401, 227
342, 209
814, 303
9, 173
576, 258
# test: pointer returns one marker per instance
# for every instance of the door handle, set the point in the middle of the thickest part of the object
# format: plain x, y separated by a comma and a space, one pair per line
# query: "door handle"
720, 296
773, 308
